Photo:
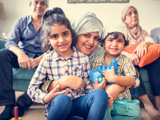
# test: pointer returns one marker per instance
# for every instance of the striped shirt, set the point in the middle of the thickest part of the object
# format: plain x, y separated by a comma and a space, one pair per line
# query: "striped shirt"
125, 68
53, 67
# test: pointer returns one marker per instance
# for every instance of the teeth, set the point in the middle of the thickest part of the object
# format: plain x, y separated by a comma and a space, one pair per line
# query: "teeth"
88, 46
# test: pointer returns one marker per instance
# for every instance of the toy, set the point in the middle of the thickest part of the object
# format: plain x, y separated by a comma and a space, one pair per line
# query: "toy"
16, 114
96, 74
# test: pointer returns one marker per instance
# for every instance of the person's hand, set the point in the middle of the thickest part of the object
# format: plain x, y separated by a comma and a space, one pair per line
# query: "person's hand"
53, 93
109, 76
75, 83
101, 85
110, 101
24, 61
34, 62
141, 49
134, 58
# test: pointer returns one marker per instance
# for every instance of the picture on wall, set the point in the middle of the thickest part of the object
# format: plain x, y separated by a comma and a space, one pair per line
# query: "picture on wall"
98, 1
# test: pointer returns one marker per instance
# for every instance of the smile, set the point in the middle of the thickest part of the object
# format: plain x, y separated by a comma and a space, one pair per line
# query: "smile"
63, 45
87, 46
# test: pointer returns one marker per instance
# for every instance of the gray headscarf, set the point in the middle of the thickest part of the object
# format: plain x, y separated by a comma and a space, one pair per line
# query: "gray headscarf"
89, 23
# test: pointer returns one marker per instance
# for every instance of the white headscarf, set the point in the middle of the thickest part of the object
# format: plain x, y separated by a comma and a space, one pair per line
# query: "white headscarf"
89, 23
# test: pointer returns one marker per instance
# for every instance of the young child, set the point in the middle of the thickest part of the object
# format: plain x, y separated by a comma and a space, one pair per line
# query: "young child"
114, 43
63, 60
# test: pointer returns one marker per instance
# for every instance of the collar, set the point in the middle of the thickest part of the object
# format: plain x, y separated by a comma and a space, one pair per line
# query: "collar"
57, 57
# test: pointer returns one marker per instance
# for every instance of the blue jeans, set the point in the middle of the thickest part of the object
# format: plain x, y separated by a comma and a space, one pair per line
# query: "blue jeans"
91, 106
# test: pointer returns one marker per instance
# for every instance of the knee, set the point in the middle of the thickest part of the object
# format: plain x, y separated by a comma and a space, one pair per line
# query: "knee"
101, 95
63, 101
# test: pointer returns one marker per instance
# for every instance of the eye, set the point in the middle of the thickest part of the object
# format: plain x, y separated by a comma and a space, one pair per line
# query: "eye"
129, 14
65, 34
53, 36
97, 38
119, 41
110, 40
135, 12
86, 35
43, 3
35, 2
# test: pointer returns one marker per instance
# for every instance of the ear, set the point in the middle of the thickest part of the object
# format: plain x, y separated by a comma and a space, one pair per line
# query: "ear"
103, 44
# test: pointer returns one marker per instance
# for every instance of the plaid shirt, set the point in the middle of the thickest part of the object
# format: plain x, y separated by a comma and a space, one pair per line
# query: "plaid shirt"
53, 67
125, 68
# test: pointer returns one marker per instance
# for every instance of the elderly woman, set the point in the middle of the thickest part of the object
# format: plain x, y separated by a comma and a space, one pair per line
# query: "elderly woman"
137, 36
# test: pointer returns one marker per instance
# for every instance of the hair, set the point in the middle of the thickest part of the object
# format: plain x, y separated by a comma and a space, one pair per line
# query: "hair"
30, 1
116, 35
51, 17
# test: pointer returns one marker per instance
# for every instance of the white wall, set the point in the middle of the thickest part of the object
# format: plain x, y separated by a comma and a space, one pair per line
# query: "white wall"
149, 11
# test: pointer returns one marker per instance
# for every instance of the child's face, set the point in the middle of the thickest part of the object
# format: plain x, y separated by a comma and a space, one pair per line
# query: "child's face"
61, 39
113, 46
88, 42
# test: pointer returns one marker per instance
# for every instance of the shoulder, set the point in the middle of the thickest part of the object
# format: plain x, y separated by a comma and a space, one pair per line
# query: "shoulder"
80, 55
156, 30
24, 20
123, 59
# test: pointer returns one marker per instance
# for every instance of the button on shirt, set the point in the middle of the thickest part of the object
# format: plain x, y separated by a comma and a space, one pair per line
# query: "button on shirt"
25, 36
53, 67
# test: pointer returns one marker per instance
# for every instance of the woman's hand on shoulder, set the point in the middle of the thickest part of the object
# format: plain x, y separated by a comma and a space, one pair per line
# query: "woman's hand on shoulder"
141, 49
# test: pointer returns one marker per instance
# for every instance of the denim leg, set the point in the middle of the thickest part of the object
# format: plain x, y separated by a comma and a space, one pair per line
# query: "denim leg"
154, 76
7, 60
59, 108
141, 90
91, 106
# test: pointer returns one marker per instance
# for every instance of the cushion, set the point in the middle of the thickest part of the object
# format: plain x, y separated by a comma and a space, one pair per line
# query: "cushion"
153, 53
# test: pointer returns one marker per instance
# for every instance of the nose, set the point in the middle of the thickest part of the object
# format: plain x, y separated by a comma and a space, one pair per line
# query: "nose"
61, 39
114, 43
91, 41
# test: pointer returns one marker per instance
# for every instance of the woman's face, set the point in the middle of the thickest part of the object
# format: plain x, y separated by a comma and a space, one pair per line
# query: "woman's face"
132, 17
88, 42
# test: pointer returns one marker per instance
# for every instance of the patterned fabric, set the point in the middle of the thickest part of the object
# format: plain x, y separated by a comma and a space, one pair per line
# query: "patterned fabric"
53, 67
125, 68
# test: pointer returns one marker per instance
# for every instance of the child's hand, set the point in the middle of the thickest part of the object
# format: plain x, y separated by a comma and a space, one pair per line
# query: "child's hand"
53, 93
75, 83
109, 76
110, 101
101, 85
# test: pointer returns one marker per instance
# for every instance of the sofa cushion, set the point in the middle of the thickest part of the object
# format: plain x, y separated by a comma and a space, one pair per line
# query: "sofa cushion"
23, 73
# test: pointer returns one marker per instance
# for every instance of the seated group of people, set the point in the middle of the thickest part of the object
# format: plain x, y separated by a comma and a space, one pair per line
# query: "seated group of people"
65, 52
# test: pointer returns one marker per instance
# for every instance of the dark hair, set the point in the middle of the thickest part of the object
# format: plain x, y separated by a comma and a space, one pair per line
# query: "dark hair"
51, 17
116, 35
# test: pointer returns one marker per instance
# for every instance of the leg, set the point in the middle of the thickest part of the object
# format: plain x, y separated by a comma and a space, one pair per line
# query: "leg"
91, 106
7, 94
23, 103
126, 109
59, 108
142, 94
154, 77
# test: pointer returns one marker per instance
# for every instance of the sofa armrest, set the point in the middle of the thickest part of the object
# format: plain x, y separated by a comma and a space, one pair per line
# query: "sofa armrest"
2, 43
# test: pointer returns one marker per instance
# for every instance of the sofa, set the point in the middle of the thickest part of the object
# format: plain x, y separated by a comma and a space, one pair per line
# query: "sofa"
22, 76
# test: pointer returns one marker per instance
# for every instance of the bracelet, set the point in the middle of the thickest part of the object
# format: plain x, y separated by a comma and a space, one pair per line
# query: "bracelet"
58, 84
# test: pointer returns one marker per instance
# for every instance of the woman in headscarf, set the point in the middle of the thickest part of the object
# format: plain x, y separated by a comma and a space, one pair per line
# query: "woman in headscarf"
137, 36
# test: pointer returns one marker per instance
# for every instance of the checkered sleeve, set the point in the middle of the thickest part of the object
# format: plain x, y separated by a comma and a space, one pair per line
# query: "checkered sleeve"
86, 76
37, 80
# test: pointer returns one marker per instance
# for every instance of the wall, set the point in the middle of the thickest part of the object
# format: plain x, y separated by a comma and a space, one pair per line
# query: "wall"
149, 11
